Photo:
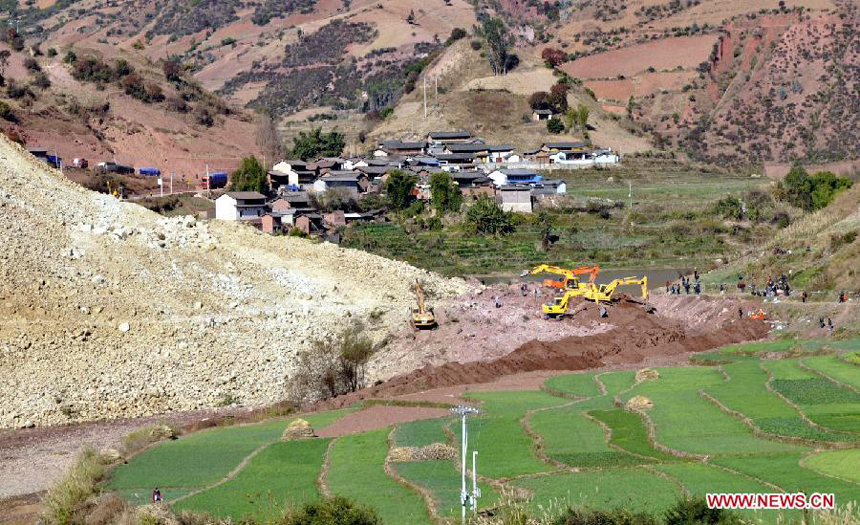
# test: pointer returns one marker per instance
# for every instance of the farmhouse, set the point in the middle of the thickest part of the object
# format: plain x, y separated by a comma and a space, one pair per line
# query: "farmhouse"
396, 147
541, 114
514, 176
447, 137
240, 206
350, 182
293, 173
515, 198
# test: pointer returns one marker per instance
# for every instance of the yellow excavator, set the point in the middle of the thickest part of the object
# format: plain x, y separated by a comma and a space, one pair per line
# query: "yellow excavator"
570, 281
603, 293
591, 292
422, 316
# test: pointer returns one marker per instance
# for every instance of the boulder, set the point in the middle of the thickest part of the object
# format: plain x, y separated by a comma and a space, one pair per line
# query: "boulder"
298, 429
646, 374
639, 403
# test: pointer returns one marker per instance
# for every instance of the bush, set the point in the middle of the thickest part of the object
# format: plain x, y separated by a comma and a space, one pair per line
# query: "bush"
554, 125
66, 498
810, 193
317, 144
172, 70
476, 44
399, 189
41, 80
250, 176
16, 90
333, 366
332, 511
838, 240
487, 217
31, 64
203, 116
456, 34
445, 194
6, 112
729, 208
52, 52
695, 511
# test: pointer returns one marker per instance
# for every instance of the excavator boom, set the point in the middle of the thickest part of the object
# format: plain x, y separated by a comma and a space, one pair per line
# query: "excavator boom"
570, 281
422, 317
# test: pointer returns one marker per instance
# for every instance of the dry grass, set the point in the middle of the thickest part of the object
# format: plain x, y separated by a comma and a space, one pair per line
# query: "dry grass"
66, 499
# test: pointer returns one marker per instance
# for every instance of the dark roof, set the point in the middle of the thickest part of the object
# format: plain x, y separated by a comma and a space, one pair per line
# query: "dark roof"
515, 187
396, 144
442, 135
342, 176
295, 197
518, 172
564, 145
531, 151
463, 148
245, 195
468, 175
293, 162
374, 170
456, 156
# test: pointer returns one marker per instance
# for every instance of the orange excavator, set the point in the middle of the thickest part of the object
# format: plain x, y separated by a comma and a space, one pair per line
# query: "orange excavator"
570, 280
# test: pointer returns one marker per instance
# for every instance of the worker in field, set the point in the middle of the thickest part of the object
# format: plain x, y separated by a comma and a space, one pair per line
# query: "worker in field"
698, 287
156, 495
830, 325
687, 285
740, 313
803, 296
667, 285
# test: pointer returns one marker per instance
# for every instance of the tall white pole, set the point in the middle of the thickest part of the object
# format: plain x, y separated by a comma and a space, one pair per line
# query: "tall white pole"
474, 480
464, 496
171, 183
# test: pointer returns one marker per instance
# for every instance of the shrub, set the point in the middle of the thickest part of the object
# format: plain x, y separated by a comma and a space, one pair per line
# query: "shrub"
16, 90
317, 144
203, 116
810, 193
456, 34
41, 80
6, 112
446, 195
177, 104
553, 57
31, 64
399, 189
67, 497
838, 240
250, 176
296, 232
554, 125
333, 365
172, 70
332, 511
71, 57
476, 44
729, 208
487, 217
695, 510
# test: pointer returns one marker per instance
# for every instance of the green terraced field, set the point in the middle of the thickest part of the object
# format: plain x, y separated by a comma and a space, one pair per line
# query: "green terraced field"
441, 478
843, 464
505, 449
281, 476
835, 368
784, 471
421, 432
745, 392
631, 488
618, 465
201, 459
629, 433
356, 471
687, 422
821, 400
574, 385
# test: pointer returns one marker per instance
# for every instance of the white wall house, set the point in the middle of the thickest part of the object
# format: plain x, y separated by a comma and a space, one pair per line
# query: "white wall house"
240, 206
515, 198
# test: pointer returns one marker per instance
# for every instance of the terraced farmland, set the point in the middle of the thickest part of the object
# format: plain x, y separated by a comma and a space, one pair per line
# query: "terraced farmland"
748, 425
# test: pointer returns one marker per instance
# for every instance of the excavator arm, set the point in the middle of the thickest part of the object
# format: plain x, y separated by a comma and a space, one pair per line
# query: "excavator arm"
570, 280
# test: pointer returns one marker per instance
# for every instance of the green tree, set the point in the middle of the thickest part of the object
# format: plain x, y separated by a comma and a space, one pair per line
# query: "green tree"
554, 125
545, 225
729, 208
446, 195
496, 35
570, 118
487, 217
810, 193
582, 117
316, 144
250, 176
332, 511
399, 189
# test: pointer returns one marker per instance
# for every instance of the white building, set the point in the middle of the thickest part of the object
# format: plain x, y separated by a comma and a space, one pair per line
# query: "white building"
240, 206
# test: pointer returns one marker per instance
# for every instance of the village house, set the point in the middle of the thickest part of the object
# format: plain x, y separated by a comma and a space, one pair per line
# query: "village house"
505, 177
388, 148
296, 200
456, 161
516, 198
352, 183
447, 137
271, 223
473, 183
295, 174
541, 114
240, 206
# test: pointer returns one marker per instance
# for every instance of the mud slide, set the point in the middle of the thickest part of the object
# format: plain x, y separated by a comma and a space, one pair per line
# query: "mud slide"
635, 336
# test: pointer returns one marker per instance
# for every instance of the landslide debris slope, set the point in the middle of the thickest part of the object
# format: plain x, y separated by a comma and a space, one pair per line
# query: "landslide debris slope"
109, 310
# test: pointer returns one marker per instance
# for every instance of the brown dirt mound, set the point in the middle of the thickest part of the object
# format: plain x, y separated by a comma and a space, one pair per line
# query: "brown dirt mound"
636, 335
646, 374
429, 452
639, 403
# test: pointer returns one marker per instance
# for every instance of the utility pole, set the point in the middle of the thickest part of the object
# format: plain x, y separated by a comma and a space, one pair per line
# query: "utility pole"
171, 183
476, 492
463, 411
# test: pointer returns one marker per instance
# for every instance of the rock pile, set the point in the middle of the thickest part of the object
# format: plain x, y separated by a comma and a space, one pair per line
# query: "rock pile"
109, 310
645, 374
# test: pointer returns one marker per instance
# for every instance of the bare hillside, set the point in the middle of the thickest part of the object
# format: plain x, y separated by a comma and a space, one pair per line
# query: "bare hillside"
110, 310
